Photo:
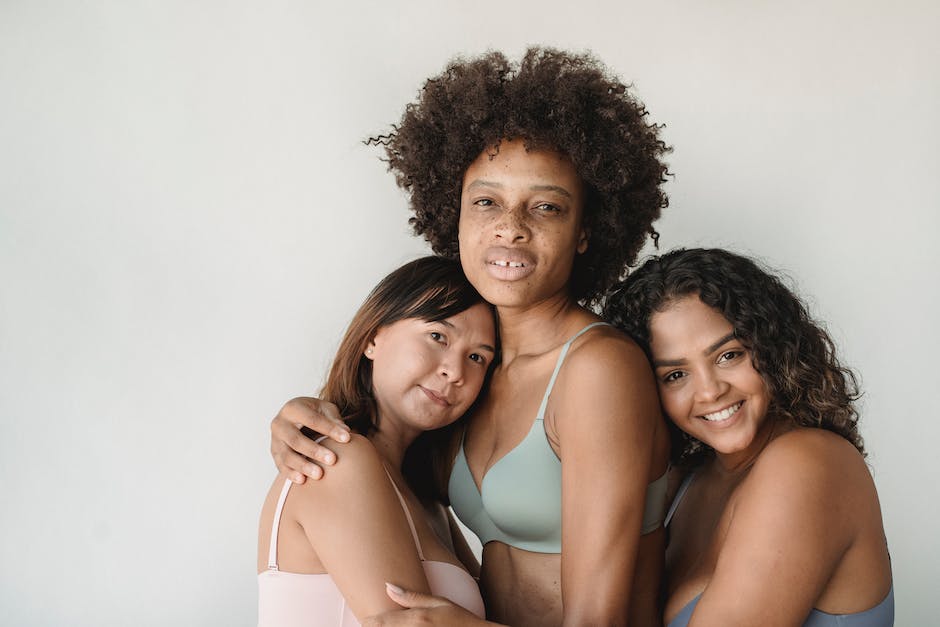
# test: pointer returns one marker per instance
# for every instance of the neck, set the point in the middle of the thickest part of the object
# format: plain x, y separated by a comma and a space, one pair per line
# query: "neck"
391, 440
538, 328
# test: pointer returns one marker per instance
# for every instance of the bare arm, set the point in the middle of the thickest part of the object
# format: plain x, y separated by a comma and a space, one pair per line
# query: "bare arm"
791, 524
296, 455
355, 524
605, 421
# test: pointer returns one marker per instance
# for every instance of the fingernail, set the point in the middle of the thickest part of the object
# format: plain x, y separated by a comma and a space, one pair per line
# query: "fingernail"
343, 435
329, 458
393, 588
297, 478
313, 472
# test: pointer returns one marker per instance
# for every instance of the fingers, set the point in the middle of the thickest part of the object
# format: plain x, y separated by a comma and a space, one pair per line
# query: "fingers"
325, 415
412, 600
294, 453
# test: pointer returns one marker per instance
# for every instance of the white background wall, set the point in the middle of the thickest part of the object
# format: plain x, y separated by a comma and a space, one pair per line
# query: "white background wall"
188, 219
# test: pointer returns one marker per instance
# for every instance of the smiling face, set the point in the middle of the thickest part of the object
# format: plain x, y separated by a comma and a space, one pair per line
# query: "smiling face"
708, 385
425, 375
520, 224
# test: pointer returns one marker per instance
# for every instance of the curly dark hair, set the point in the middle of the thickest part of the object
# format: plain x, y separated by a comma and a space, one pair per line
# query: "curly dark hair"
793, 354
552, 100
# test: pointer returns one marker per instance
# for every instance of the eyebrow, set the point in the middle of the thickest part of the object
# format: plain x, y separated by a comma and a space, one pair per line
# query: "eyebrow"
535, 188
486, 347
660, 363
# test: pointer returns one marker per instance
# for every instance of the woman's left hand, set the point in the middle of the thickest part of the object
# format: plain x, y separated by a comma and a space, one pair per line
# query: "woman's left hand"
422, 609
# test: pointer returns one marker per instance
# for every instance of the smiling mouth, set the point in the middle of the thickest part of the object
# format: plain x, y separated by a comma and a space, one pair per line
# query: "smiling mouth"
724, 414
437, 398
508, 264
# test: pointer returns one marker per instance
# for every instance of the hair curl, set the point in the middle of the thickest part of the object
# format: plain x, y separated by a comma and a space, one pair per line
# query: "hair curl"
551, 100
793, 354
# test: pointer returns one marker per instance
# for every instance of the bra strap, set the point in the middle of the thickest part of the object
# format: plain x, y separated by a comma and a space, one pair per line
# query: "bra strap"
404, 506
678, 498
272, 543
561, 359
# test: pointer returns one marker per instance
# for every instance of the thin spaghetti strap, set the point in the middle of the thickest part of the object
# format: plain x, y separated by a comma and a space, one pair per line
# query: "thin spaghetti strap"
272, 543
561, 359
404, 506
678, 498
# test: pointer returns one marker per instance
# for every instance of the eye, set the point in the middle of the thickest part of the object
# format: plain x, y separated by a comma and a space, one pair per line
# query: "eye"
437, 336
729, 356
548, 207
484, 202
674, 376
478, 358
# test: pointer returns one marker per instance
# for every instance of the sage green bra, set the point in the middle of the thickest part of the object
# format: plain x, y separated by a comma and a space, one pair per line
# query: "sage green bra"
520, 503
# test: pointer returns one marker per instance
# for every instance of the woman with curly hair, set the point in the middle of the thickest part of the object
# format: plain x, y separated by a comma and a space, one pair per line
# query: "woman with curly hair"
778, 522
544, 178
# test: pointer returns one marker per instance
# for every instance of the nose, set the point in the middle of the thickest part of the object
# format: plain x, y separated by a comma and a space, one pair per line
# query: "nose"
452, 368
709, 387
512, 226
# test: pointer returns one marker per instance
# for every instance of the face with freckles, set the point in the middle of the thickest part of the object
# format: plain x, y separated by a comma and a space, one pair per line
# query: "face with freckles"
708, 385
426, 374
520, 224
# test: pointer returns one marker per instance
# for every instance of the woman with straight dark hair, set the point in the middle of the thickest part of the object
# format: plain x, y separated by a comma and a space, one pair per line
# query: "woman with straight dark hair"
413, 360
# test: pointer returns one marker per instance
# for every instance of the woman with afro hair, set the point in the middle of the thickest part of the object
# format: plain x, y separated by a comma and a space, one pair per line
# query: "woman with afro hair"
778, 522
544, 178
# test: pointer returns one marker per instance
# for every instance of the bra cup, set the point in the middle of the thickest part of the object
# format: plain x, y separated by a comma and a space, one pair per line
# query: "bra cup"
522, 492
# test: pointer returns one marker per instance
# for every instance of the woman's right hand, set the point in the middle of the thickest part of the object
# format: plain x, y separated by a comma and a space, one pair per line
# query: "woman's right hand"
296, 455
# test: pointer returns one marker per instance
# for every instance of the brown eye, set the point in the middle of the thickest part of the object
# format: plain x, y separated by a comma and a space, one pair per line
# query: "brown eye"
674, 376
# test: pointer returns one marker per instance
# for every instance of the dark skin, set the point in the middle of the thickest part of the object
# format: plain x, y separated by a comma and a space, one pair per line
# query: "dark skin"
519, 232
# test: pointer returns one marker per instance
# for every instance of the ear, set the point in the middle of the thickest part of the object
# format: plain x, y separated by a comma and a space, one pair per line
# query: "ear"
369, 352
583, 241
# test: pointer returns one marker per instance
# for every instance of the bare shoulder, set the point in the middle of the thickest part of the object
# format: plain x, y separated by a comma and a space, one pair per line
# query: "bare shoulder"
808, 452
607, 352
809, 469
606, 383
357, 469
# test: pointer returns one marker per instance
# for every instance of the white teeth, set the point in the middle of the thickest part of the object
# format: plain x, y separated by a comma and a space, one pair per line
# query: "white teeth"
509, 264
724, 414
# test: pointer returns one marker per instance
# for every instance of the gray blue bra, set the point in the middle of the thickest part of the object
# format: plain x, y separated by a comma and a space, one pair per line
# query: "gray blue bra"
882, 615
519, 502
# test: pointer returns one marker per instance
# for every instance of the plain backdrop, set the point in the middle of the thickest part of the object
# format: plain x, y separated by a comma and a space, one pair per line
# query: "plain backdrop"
188, 218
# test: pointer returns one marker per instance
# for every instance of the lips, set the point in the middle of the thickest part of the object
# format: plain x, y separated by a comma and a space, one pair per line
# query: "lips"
723, 414
509, 264
436, 397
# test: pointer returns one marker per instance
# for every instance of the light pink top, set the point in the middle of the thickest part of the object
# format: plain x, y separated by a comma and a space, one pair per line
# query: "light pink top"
313, 600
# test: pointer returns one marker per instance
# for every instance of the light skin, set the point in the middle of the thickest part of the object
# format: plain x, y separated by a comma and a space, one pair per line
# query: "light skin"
425, 376
783, 519
520, 231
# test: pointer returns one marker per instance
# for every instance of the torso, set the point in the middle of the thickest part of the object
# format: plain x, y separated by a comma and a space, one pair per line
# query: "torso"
523, 587
703, 517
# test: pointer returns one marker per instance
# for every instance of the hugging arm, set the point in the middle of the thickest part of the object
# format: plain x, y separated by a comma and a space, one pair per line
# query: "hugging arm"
296, 455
